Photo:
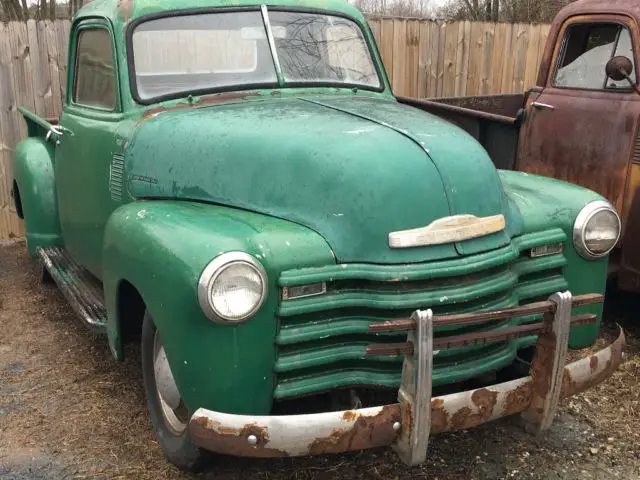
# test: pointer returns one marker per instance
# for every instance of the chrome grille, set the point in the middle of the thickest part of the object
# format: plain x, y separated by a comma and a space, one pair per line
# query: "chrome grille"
322, 340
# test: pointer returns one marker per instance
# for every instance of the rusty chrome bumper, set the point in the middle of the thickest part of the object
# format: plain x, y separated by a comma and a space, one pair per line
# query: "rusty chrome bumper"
407, 425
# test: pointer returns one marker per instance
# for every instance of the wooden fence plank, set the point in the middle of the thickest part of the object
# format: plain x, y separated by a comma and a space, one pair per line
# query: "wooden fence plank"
62, 33
374, 25
486, 70
413, 53
399, 56
442, 39
497, 57
38, 71
520, 60
476, 41
432, 64
386, 47
531, 62
463, 55
508, 66
9, 134
54, 69
423, 60
450, 59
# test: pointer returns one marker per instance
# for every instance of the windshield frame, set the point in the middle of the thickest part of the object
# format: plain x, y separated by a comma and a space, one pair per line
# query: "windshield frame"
133, 84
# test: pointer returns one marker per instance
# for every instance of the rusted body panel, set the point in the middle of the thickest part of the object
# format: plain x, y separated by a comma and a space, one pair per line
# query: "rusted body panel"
555, 143
587, 137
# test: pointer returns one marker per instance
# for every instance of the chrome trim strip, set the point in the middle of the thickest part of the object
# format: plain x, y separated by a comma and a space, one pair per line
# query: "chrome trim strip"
272, 44
447, 230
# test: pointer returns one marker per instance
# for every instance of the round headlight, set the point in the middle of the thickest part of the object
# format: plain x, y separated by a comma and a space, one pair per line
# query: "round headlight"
232, 287
597, 230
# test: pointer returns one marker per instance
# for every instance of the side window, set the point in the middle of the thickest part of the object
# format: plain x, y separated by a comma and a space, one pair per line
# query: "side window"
95, 80
585, 52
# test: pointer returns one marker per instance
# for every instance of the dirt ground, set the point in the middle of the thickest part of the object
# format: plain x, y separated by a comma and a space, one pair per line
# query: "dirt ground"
68, 410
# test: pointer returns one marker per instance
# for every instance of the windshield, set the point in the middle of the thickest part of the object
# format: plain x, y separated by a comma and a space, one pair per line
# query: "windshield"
205, 52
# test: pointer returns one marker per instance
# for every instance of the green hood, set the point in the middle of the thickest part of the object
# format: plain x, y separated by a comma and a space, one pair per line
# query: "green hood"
353, 169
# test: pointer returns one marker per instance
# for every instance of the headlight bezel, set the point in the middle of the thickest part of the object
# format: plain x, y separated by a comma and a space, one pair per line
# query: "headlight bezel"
212, 272
580, 228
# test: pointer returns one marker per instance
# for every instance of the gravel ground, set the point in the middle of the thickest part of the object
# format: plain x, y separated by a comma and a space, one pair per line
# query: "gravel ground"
68, 410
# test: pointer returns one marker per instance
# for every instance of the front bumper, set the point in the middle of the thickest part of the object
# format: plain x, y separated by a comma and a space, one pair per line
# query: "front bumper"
407, 425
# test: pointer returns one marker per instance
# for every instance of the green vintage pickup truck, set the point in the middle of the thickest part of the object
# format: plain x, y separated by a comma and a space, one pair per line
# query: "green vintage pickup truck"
309, 265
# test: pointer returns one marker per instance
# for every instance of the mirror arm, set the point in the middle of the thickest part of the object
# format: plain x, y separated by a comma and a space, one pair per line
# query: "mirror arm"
633, 84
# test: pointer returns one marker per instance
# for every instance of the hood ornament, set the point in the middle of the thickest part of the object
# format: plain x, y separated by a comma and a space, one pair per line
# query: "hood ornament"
447, 230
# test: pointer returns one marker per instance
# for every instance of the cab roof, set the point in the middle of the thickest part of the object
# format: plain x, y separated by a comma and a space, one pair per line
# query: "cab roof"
123, 11
630, 8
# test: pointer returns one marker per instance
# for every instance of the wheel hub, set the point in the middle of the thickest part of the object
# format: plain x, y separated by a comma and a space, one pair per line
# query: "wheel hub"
172, 407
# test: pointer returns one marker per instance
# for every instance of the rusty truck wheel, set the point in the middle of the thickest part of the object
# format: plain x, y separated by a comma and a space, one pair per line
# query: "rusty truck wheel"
168, 414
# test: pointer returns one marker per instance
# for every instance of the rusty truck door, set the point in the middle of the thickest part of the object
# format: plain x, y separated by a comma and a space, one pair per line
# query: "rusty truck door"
581, 127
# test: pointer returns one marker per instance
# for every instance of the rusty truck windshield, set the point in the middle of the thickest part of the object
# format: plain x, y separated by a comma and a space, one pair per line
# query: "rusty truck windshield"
200, 53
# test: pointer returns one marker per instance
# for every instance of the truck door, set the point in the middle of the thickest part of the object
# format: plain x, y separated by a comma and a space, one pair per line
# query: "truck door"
89, 120
582, 127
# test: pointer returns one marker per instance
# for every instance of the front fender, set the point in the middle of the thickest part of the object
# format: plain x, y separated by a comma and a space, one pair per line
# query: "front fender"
545, 203
161, 248
35, 178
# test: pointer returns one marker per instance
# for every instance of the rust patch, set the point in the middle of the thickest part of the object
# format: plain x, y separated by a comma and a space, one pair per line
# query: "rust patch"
569, 387
485, 400
407, 419
125, 8
349, 416
464, 418
224, 98
439, 417
518, 400
543, 363
390, 349
230, 441
366, 432
218, 98
593, 363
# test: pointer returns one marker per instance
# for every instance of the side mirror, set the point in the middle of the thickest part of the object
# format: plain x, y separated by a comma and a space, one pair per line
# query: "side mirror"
619, 68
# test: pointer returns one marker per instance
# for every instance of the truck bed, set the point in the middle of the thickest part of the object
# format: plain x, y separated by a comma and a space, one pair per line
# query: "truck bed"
493, 120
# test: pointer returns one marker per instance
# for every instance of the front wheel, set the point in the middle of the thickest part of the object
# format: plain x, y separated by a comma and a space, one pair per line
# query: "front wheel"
168, 414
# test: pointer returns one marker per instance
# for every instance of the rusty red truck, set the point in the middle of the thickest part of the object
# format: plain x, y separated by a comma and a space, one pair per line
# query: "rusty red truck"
580, 122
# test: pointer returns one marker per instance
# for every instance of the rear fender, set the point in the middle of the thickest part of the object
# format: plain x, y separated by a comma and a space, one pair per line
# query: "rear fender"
161, 248
35, 181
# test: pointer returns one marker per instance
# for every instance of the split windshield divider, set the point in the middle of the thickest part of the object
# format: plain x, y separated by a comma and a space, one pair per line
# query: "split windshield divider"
272, 45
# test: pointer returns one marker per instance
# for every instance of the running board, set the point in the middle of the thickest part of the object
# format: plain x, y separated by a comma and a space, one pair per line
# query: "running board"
82, 290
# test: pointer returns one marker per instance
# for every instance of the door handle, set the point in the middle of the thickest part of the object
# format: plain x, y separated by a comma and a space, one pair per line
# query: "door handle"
59, 131
543, 106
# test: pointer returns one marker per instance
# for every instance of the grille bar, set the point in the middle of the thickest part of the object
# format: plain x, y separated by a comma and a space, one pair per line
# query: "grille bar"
482, 317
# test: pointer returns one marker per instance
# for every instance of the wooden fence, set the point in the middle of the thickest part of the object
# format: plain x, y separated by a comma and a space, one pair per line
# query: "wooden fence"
422, 58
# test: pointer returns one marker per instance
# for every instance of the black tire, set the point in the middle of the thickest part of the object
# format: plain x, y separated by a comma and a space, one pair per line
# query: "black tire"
179, 449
